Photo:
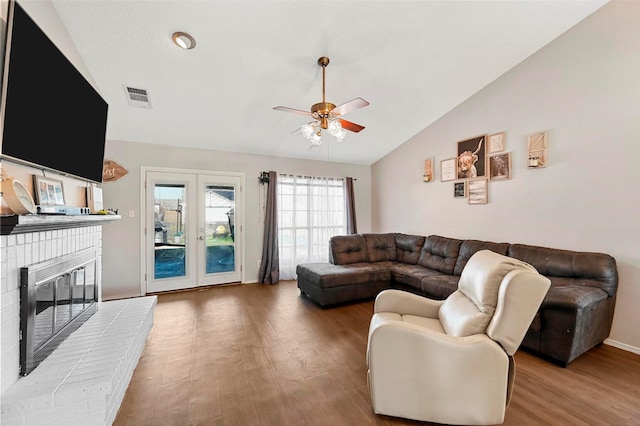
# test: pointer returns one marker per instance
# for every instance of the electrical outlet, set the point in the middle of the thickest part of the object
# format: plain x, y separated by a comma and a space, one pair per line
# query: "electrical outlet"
259, 263
132, 213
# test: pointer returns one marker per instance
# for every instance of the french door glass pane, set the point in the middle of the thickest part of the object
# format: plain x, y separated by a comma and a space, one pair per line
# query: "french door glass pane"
220, 228
169, 208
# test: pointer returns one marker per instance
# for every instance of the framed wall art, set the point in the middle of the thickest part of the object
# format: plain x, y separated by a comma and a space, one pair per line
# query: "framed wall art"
537, 149
49, 192
477, 190
448, 169
460, 189
496, 142
499, 166
427, 175
472, 158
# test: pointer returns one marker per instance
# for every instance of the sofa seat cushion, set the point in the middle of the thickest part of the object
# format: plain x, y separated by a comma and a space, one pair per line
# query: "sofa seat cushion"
433, 324
572, 297
327, 275
411, 275
439, 286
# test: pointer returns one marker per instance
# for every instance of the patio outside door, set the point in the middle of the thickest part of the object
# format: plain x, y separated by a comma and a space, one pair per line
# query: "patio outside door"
191, 235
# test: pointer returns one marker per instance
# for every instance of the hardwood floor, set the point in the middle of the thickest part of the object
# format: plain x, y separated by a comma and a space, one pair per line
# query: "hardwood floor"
264, 355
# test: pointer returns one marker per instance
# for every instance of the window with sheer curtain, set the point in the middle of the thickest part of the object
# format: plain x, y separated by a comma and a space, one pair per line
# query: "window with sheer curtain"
310, 211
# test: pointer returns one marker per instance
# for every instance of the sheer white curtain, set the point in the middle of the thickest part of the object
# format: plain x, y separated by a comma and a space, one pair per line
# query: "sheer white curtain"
310, 211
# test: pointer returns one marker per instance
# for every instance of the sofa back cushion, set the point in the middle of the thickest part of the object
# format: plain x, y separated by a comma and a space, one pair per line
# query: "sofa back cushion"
380, 247
408, 248
346, 249
469, 247
439, 253
586, 268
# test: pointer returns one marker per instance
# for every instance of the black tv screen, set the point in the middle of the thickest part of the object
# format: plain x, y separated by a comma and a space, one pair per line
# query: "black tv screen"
53, 117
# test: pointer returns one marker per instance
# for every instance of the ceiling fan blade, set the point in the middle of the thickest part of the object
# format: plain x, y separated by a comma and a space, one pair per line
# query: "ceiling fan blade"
296, 111
347, 107
352, 127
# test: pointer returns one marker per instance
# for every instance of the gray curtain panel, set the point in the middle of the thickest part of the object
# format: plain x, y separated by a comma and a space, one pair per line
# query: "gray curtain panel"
352, 227
269, 265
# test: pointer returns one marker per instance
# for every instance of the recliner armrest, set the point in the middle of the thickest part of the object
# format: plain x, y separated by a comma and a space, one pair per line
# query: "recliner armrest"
405, 303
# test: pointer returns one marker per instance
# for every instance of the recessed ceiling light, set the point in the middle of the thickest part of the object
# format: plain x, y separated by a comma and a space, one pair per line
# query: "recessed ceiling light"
184, 40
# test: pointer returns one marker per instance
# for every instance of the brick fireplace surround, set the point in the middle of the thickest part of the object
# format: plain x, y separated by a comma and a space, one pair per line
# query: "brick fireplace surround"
84, 380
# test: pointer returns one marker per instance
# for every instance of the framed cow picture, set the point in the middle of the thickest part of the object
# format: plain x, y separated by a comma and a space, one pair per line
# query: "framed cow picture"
472, 158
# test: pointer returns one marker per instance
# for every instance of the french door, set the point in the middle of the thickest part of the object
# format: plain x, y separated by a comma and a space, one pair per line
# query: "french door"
193, 229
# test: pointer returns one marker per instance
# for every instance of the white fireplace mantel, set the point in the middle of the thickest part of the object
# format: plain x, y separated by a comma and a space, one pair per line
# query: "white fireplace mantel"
16, 224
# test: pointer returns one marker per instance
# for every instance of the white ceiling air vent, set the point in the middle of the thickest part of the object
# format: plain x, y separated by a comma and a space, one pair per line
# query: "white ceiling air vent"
137, 97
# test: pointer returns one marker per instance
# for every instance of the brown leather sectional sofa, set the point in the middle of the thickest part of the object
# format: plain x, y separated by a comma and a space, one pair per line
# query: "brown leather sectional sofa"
575, 315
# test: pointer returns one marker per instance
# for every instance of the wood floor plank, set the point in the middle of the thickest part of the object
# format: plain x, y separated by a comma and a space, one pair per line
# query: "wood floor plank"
298, 396
235, 391
265, 355
173, 404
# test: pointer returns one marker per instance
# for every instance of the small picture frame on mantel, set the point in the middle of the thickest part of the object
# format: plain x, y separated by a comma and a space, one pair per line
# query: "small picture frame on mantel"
48, 191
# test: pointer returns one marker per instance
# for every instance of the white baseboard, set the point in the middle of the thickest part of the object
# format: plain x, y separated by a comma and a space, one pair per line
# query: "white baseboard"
250, 282
622, 346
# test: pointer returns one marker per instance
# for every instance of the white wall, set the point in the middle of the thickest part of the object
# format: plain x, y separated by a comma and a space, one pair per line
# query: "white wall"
45, 15
584, 88
121, 240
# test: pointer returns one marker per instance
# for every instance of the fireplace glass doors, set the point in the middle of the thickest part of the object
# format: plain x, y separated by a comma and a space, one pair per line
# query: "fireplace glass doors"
57, 296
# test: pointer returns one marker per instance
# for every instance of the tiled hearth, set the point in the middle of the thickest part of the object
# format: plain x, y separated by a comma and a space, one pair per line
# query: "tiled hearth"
84, 380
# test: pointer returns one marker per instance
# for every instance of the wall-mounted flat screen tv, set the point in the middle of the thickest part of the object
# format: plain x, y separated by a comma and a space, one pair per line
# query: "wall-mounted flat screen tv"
52, 117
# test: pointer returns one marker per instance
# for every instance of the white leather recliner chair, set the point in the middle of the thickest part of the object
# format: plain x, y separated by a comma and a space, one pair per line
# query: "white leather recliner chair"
450, 361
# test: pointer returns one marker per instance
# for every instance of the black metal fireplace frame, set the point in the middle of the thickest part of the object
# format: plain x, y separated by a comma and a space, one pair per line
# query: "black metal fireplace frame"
37, 274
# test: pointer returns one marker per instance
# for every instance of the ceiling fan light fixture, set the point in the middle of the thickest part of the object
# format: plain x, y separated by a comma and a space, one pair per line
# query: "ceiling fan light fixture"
183, 40
334, 127
308, 130
316, 139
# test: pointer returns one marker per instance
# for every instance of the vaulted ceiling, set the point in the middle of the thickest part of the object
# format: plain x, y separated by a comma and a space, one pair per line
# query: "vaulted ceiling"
412, 60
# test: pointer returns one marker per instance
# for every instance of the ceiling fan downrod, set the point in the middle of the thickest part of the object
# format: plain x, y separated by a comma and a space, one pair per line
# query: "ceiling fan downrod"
322, 109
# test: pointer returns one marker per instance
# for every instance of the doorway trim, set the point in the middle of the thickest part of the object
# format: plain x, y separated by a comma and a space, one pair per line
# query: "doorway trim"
239, 219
